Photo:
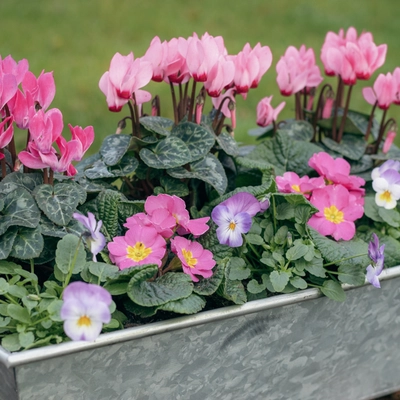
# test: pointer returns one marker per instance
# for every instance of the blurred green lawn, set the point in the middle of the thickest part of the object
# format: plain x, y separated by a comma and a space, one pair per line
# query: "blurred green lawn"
77, 39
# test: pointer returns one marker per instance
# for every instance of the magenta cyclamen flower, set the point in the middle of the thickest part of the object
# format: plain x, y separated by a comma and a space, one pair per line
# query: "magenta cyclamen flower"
95, 240
266, 114
234, 217
85, 310
376, 254
140, 245
337, 212
195, 259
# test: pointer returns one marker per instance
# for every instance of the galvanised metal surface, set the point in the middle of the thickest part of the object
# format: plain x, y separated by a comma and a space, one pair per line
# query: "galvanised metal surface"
298, 346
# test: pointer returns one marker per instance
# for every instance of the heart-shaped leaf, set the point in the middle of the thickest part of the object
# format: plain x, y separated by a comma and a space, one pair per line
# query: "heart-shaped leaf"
114, 147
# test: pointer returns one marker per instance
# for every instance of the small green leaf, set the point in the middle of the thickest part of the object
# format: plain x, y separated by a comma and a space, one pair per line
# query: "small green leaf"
298, 282
11, 342
254, 287
333, 290
352, 274
237, 269
54, 310
254, 239
102, 270
279, 280
26, 338
70, 254
19, 313
297, 251
4, 286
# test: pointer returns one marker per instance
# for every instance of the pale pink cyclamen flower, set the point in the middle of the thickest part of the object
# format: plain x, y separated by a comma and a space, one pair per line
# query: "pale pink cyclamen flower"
220, 76
175, 67
6, 133
290, 182
16, 68
384, 91
390, 136
203, 54
337, 212
22, 107
125, 77
195, 259
250, 66
297, 70
42, 89
140, 245
86, 307
156, 55
266, 114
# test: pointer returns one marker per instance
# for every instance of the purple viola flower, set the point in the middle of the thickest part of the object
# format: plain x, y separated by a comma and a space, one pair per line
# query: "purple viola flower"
85, 309
234, 217
96, 240
387, 165
376, 254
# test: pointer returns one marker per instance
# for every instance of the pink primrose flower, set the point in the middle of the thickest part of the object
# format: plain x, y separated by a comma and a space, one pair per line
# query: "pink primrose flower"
141, 245
195, 259
176, 208
336, 171
86, 307
266, 114
290, 182
336, 214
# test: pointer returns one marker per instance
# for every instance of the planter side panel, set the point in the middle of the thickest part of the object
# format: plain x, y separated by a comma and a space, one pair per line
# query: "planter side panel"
7, 386
317, 349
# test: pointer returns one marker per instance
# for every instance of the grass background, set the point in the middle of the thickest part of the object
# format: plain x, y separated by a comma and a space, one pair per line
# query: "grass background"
77, 39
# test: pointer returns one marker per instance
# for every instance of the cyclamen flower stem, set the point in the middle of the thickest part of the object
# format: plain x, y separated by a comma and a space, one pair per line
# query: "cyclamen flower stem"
346, 109
299, 112
137, 116
339, 95
381, 132
370, 121
319, 107
3, 166
132, 111
192, 101
171, 85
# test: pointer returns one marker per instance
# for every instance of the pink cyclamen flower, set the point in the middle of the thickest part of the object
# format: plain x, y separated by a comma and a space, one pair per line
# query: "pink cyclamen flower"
86, 307
390, 136
220, 76
6, 133
383, 92
297, 70
234, 217
337, 212
141, 245
336, 171
290, 182
95, 239
195, 259
266, 114
42, 89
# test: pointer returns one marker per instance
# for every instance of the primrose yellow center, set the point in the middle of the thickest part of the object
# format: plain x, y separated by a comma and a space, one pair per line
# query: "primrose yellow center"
84, 321
385, 196
190, 260
332, 214
296, 188
138, 252
232, 226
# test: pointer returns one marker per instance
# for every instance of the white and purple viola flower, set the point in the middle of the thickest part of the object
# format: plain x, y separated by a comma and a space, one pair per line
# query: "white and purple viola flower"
95, 239
234, 217
376, 254
85, 309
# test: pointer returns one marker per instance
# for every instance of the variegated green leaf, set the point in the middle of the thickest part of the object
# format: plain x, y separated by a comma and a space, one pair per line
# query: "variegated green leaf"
209, 169
19, 179
27, 244
169, 153
58, 202
158, 125
7, 241
114, 147
198, 139
19, 209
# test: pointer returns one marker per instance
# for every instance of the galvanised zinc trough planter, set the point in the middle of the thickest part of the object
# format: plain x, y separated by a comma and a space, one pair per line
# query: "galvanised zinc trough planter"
296, 346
